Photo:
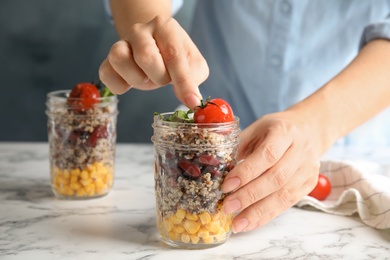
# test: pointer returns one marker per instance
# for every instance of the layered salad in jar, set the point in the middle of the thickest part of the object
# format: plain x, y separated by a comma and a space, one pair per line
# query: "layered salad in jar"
194, 151
82, 137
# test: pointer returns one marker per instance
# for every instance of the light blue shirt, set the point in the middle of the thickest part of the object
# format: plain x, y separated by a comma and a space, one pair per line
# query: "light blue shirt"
265, 56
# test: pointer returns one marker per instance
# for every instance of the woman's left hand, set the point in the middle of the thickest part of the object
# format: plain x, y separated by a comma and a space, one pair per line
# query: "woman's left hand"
281, 153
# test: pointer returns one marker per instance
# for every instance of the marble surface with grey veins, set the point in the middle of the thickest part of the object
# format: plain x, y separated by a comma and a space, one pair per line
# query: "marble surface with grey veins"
121, 225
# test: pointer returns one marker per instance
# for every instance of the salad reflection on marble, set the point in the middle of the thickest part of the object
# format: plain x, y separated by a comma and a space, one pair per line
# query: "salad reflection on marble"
36, 225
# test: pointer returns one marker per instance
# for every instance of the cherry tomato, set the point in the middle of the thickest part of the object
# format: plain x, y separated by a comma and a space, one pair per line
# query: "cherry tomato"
322, 189
83, 96
213, 111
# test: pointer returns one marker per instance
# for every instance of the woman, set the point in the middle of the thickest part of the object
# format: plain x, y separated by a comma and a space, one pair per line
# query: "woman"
301, 75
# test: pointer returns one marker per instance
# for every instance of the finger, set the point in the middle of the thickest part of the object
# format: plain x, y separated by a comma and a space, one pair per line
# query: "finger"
121, 59
177, 51
270, 150
270, 181
112, 79
146, 53
263, 211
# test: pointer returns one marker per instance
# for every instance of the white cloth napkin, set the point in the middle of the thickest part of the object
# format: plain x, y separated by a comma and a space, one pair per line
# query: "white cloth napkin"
357, 187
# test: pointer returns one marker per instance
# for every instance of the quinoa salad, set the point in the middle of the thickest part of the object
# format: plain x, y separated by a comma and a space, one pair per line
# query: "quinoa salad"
191, 163
82, 146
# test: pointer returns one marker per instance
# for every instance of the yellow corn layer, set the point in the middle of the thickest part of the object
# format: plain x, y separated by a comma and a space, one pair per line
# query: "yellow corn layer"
196, 228
93, 180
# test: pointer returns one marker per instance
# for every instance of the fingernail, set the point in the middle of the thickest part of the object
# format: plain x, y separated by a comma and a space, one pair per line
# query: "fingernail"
239, 225
231, 206
146, 80
230, 184
192, 101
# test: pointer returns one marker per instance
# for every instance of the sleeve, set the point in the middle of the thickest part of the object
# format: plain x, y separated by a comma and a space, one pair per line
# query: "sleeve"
379, 30
176, 5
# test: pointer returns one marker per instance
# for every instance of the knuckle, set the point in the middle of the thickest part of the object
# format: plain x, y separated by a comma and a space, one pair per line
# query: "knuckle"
279, 177
285, 198
118, 54
258, 213
251, 196
135, 29
145, 55
269, 153
161, 20
171, 52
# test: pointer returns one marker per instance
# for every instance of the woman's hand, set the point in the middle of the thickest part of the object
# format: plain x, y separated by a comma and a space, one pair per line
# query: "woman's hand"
153, 55
281, 165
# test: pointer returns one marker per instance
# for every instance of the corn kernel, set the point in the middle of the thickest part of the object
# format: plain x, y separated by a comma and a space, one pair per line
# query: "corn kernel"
185, 238
203, 232
74, 172
93, 175
214, 227
181, 213
71, 182
91, 192
99, 184
85, 182
63, 181
205, 218
175, 220
174, 236
178, 229
75, 186
208, 240
191, 226
81, 192
89, 187
73, 179
168, 225
190, 216
69, 191
194, 239
66, 174
84, 175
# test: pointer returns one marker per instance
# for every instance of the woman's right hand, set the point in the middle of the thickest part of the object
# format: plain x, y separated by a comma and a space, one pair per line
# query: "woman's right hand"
153, 55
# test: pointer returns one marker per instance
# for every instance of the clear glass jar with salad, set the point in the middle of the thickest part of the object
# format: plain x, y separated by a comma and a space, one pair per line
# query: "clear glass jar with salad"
194, 151
82, 138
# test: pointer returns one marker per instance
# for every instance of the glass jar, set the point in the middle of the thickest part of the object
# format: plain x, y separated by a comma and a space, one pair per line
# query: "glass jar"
191, 162
81, 145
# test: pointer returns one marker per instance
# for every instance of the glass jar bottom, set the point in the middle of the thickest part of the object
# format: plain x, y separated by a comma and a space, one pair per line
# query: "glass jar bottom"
181, 245
75, 197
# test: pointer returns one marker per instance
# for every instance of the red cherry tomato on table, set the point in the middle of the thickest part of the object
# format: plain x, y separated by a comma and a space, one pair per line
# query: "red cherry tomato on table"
83, 96
215, 110
322, 189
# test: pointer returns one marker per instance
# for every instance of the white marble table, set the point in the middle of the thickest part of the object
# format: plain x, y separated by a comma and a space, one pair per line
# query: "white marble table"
121, 225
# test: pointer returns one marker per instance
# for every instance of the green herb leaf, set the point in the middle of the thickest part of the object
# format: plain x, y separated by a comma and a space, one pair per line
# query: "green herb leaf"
180, 116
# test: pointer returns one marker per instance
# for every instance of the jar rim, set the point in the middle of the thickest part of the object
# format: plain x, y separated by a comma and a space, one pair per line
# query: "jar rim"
59, 98
64, 94
158, 119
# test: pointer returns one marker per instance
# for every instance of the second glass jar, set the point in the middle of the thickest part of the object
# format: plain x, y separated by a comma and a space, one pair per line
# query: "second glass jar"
82, 146
191, 162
